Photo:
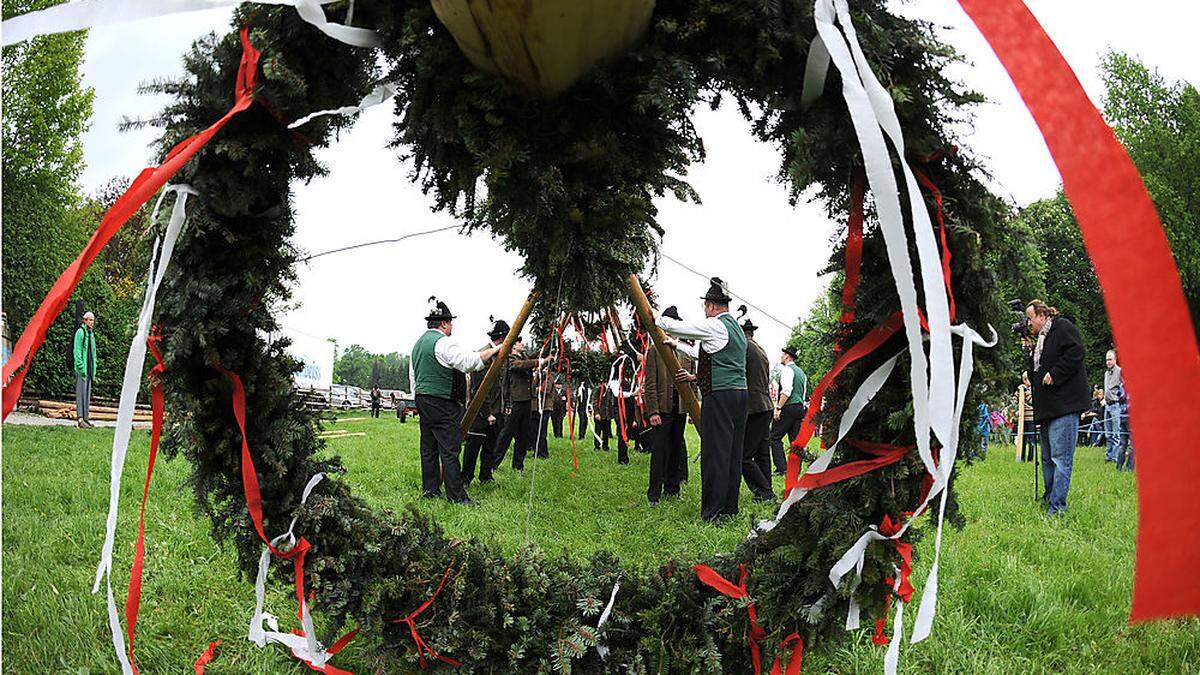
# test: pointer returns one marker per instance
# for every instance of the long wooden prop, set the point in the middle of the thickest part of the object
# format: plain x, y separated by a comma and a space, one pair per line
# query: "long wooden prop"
643, 307
493, 372
1020, 444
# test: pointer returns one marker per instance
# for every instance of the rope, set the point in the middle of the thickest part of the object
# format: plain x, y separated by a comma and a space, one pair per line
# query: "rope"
537, 441
731, 292
378, 241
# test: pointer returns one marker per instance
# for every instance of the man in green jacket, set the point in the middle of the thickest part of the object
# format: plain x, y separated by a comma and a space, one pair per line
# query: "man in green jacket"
85, 369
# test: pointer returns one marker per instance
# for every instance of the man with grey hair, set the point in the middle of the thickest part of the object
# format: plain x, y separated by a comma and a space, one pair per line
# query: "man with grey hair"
85, 369
1114, 405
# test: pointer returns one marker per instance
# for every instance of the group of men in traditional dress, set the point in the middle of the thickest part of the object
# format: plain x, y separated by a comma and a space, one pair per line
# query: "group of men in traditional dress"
742, 422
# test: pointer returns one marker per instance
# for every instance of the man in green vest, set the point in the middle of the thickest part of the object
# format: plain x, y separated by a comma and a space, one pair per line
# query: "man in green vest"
439, 365
756, 455
789, 406
721, 374
85, 369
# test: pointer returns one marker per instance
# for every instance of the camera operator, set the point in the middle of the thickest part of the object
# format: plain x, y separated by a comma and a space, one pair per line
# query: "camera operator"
1055, 372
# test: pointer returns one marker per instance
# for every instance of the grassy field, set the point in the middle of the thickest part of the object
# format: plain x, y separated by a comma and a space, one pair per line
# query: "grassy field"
1019, 592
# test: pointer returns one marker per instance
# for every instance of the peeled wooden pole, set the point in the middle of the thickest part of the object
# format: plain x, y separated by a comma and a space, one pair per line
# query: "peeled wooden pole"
656, 334
493, 372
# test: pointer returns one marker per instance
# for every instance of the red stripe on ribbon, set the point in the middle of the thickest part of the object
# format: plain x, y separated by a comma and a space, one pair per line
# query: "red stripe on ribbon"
709, 577
133, 594
941, 221
794, 660
411, 620
140, 191
206, 657
1133, 263
869, 343
854, 246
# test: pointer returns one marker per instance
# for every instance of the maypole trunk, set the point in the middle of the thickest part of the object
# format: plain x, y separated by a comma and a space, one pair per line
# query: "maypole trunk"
493, 372
667, 355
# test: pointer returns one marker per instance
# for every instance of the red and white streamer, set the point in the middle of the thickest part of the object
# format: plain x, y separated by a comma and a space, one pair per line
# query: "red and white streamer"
86, 14
135, 363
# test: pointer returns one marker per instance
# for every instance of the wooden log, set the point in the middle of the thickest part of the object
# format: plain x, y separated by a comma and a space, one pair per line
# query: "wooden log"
664, 352
493, 371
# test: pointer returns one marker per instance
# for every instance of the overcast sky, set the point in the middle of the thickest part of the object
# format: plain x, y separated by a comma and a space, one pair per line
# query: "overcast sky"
376, 296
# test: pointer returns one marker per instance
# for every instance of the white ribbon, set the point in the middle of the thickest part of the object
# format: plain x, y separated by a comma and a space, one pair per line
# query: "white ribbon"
816, 68
378, 95
84, 14
602, 650
892, 658
866, 391
131, 384
614, 378
304, 647
937, 396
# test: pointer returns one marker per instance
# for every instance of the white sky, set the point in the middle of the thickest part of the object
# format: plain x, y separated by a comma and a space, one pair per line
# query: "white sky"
376, 296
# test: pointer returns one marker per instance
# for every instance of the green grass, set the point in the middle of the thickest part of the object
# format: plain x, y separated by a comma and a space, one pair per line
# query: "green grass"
1019, 592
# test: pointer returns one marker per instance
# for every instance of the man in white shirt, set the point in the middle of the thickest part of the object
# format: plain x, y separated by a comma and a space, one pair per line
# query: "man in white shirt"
790, 407
721, 374
438, 365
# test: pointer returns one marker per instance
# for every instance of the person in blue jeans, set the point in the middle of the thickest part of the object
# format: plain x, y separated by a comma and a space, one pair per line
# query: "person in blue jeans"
1056, 374
1114, 406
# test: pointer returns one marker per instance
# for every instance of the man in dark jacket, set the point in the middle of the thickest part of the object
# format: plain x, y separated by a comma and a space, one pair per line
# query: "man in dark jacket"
520, 427
668, 420
755, 454
485, 429
1054, 370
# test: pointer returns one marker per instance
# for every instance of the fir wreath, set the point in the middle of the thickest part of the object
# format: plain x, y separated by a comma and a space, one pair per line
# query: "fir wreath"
568, 182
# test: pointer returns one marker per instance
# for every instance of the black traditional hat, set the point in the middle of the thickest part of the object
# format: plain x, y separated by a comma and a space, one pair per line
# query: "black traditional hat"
717, 292
438, 311
790, 351
747, 325
499, 328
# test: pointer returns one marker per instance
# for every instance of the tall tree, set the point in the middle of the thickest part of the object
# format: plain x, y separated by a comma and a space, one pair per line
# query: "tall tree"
46, 110
1159, 123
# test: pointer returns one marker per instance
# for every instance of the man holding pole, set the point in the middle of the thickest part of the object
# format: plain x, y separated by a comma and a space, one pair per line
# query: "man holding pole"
721, 374
438, 368
485, 428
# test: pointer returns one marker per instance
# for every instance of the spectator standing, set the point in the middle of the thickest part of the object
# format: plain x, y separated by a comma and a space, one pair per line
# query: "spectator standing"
376, 401
85, 369
1058, 377
1114, 405
984, 427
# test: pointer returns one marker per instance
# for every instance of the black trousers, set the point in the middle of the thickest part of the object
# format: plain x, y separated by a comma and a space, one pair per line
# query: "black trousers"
604, 429
581, 422
441, 437
481, 445
541, 422
557, 419
790, 418
666, 455
722, 435
756, 455
375, 408
517, 430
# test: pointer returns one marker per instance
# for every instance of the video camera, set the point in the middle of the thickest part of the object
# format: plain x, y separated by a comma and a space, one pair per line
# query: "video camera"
1021, 327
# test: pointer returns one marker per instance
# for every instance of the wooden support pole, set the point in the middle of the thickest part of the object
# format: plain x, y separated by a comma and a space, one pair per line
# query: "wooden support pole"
614, 320
668, 357
493, 372
1020, 444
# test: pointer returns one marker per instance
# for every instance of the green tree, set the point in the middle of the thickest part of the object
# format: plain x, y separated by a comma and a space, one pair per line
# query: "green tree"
813, 337
358, 367
46, 110
1067, 276
1159, 123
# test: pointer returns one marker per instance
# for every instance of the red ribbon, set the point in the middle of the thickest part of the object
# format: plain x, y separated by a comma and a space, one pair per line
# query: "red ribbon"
854, 246
142, 189
889, 528
206, 657
133, 594
710, 578
411, 620
883, 456
869, 343
1133, 263
941, 221
794, 660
